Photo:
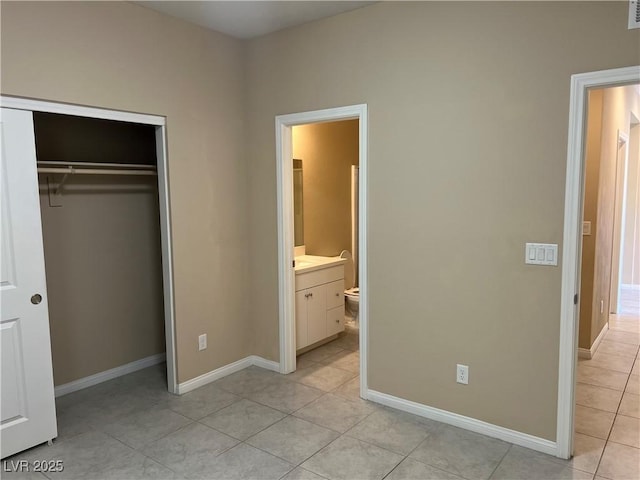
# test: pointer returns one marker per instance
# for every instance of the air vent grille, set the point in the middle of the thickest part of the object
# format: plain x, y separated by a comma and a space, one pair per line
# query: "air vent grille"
634, 14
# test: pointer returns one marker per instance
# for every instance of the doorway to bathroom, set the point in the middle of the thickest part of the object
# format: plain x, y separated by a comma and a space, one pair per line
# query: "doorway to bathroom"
322, 216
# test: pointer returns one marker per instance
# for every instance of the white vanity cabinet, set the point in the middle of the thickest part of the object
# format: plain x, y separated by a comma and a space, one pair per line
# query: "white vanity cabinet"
319, 304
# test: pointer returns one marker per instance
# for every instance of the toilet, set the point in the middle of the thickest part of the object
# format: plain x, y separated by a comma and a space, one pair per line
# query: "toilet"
351, 293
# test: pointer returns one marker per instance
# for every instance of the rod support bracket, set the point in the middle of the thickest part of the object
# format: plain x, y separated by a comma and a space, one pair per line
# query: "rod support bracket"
63, 181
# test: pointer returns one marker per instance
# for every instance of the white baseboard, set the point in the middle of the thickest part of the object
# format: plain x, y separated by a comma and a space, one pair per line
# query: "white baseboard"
264, 363
109, 374
225, 370
584, 353
590, 352
468, 423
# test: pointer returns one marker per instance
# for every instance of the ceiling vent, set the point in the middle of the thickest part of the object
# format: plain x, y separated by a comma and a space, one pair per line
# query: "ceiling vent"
634, 14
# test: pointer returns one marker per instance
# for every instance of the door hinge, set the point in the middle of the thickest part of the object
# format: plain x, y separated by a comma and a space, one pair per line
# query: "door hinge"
575, 299
294, 264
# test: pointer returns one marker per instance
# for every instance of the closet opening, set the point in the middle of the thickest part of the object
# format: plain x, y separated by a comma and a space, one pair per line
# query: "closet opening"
102, 224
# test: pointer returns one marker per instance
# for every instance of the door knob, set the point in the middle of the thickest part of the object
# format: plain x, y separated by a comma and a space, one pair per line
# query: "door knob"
36, 298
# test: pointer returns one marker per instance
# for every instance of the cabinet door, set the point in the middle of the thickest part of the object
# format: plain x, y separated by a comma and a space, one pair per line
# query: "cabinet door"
316, 314
335, 294
335, 320
301, 319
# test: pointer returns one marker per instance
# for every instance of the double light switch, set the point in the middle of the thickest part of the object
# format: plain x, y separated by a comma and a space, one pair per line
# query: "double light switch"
541, 254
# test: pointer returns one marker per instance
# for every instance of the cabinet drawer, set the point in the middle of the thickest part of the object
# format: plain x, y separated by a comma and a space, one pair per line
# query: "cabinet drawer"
318, 277
335, 320
335, 294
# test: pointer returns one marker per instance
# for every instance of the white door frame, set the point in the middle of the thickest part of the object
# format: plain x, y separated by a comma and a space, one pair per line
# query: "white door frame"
163, 194
618, 220
286, 273
572, 242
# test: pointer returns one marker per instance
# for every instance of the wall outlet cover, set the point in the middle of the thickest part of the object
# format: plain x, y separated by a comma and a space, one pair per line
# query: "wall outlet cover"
462, 374
202, 342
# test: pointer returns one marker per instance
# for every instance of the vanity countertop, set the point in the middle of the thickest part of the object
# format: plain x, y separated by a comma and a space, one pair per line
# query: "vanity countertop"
309, 263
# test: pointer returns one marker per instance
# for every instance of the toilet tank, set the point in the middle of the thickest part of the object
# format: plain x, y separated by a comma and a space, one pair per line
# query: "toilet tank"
349, 270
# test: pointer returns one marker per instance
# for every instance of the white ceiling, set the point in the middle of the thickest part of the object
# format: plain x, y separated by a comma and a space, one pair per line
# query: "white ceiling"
245, 19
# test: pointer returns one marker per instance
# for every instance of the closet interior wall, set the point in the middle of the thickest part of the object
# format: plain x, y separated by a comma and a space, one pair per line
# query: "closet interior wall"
102, 247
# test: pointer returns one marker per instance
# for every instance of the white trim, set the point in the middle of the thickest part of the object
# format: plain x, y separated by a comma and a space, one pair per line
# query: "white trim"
619, 208
468, 423
163, 195
286, 274
590, 352
116, 372
225, 370
167, 258
264, 363
572, 244
584, 353
79, 110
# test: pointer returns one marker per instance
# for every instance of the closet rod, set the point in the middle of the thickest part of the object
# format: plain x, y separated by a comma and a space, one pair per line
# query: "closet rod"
52, 163
94, 171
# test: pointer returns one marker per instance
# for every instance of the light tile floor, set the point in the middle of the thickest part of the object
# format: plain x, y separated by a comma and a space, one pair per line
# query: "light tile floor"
629, 300
607, 439
257, 424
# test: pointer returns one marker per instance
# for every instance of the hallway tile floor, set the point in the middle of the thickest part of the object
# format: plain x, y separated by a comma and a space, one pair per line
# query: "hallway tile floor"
607, 438
257, 424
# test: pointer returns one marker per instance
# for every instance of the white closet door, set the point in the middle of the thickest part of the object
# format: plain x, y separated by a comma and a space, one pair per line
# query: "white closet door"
27, 405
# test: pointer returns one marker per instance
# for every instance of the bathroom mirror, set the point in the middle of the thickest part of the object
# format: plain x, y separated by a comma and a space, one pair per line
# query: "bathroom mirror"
298, 210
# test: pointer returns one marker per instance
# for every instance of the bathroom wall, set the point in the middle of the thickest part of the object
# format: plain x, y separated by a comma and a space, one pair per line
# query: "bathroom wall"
468, 112
328, 150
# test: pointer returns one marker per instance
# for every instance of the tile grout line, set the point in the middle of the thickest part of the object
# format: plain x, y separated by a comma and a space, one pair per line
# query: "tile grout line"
500, 462
606, 443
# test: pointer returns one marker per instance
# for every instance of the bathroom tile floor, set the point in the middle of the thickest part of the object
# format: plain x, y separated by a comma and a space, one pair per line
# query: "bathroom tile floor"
257, 424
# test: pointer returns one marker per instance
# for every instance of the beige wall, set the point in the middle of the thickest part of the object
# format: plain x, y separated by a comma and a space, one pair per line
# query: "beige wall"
123, 56
104, 273
327, 151
470, 99
468, 114
631, 252
592, 176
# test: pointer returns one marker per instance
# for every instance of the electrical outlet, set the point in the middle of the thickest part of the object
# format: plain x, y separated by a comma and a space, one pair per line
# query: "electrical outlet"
202, 342
462, 374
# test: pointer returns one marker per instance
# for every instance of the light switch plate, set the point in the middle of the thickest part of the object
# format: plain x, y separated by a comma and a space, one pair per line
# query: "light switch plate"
586, 228
541, 254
